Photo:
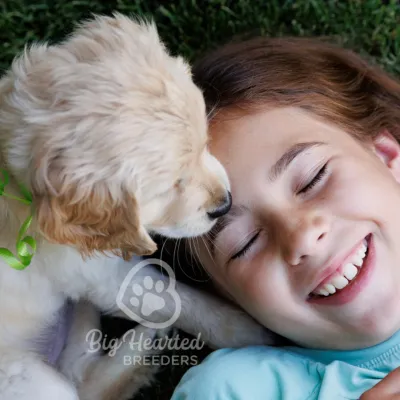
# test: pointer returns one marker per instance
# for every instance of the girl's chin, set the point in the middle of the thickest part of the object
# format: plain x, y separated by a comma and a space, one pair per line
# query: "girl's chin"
342, 342
336, 336
369, 331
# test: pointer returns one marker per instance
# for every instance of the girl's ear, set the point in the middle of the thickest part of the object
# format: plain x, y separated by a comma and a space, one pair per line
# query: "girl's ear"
387, 148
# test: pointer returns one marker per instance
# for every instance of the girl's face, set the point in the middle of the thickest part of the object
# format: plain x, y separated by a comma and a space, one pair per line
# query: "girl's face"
314, 213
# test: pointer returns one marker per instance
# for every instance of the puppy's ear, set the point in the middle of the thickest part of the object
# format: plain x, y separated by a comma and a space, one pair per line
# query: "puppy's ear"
92, 221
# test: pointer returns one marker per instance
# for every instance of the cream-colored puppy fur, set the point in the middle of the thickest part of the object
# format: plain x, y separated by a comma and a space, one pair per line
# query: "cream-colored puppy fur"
109, 133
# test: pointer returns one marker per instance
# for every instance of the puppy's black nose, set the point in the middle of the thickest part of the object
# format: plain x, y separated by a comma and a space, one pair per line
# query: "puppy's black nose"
223, 208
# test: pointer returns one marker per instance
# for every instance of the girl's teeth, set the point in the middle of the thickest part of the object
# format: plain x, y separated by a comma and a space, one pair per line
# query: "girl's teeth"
339, 282
364, 246
330, 288
350, 271
358, 260
361, 253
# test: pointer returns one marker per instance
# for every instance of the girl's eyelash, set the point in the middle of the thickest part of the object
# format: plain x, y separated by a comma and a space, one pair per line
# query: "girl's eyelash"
317, 178
246, 247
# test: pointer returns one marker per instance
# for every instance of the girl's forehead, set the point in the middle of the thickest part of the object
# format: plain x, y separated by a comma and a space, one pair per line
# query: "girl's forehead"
271, 132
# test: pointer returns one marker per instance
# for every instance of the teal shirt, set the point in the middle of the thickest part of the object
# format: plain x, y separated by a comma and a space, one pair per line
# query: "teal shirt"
290, 373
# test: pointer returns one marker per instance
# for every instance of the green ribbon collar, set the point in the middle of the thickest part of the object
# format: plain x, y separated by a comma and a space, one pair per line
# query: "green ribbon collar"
26, 245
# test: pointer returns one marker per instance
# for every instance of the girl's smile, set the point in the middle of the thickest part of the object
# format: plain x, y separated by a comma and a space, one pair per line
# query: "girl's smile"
349, 278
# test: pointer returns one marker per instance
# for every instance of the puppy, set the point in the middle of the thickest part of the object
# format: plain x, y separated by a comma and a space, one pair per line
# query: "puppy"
108, 133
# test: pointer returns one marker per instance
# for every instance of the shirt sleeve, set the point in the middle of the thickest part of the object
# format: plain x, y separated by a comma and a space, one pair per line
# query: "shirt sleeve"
251, 373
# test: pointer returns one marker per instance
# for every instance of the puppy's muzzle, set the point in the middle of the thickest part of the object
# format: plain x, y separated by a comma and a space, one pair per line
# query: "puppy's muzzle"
223, 208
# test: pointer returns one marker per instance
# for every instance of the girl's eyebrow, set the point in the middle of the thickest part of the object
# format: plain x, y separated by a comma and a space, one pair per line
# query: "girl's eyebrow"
289, 155
223, 223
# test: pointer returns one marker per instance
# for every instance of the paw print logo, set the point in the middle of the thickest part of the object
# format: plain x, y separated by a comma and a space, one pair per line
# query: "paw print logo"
151, 301
141, 296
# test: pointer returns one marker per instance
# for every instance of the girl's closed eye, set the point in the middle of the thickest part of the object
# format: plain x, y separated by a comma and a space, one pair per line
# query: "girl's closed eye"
247, 246
318, 177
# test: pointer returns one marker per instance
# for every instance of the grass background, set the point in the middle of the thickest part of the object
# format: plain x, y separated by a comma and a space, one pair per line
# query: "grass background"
191, 27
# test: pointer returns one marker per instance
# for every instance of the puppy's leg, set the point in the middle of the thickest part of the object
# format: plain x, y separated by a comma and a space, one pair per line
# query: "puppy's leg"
219, 323
26, 377
83, 343
120, 374
116, 375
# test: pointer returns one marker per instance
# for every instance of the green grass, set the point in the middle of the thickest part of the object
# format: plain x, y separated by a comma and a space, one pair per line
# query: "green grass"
191, 27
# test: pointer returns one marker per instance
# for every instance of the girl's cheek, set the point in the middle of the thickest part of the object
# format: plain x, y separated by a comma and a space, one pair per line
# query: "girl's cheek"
266, 282
250, 279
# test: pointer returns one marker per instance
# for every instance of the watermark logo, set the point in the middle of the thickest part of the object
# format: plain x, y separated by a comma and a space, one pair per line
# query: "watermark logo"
141, 295
142, 342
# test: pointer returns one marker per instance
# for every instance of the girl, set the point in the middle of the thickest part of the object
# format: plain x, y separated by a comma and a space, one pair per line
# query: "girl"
309, 135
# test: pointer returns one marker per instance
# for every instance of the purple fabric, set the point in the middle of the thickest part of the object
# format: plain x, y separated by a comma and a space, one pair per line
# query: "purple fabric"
52, 341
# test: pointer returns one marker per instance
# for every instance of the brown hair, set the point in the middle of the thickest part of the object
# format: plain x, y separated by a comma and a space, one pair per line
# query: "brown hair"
331, 82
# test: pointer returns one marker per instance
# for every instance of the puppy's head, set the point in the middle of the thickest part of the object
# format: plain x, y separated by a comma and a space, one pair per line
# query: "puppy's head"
110, 133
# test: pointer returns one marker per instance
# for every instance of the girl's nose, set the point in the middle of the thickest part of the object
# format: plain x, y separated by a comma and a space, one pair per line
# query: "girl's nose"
305, 237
